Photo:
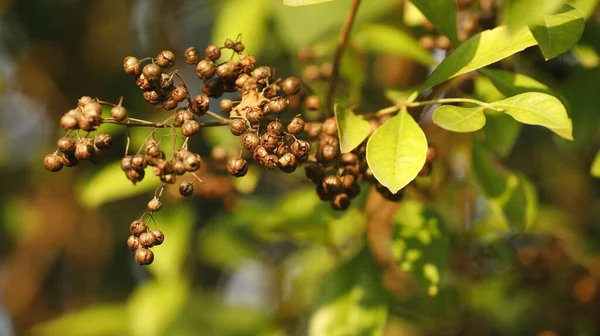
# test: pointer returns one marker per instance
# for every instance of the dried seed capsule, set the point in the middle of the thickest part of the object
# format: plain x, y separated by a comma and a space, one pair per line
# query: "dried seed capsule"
151, 72
199, 104
66, 145
192, 55
312, 103
263, 74
300, 148
154, 205
238, 47
269, 161
179, 93
349, 159
132, 66
83, 149
212, 87
103, 141
69, 122
237, 126
237, 167
332, 184
269, 141
147, 239
287, 162
143, 83
165, 59
186, 189
296, 126
340, 202
275, 127
254, 114
144, 256
291, 86
166, 81
126, 163
250, 141
327, 153
153, 97
246, 63
205, 69
170, 104
168, 178
348, 181
259, 153
192, 162
69, 160
179, 168
226, 105
328, 140
137, 227
53, 162
119, 113
133, 243
227, 71
313, 129
330, 127
229, 44
190, 127
160, 237
138, 161
212, 52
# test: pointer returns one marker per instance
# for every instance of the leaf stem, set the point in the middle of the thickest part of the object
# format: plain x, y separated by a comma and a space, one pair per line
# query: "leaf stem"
341, 45
396, 108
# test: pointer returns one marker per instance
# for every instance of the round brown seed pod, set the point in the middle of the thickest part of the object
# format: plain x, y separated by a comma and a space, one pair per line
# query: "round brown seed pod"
238, 47
168, 178
329, 127
199, 104
154, 205
133, 243
166, 81
349, 159
277, 105
83, 149
152, 147
144, 256
348, 181
142, 82
250, 140
165, 59
313, 129
291, 86
237, 167
179, 93
69, 122
237, 126
212, 87
147, 239
126, 163
138, 161
103, 141
287, 162
212, 52
229, 44
254, 114
226, 105
263, 74
296, 126
205, 69
328, 153
340, 202
190, 127
192, 162
186, 189
69, 160
66, 145
269, 161
170, 104
191, 55
119, 113
427, 42
160, 237
137, 227
179, 168
227, 71
300, 148
259, 153
270, 141
332, 184
53, 162
312, 103
275, 127
153, 97
132, 66
151, 72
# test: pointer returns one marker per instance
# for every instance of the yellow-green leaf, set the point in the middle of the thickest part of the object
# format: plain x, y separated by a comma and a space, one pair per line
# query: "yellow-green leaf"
302, 2
560, 32
353, 129
520, 13
585, 7
396, 151
512, 84
595, 168
459, 119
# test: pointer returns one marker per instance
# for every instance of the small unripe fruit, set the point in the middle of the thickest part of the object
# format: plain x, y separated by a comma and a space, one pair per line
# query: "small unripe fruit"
154, 205
312, 103
144, 256
190, 127
213, 52
53, 162
237, 167
147, 239
291, 86
137, 227
237, 126
296, 126
119, 113
160, 237
165, 59
192, 55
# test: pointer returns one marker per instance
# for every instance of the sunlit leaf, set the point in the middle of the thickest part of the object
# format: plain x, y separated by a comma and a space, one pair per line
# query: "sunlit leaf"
595, 168
482, 49
302, 2
389, 40
353, 130
396, 151
352, 300
442, 14
520, 13
110, 184
251, 25
559, 32
512, 84
585, 7
538, 109
98, 320
459, 119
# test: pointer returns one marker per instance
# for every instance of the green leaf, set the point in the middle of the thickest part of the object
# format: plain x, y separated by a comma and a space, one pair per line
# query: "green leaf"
459, 119
559, 32
302, 2
353, 129
110, 184
252, 25
352, 300
100, 320
581, 91
442, 14
585, 7
538, 109
595, 168
512, 84
384, 39
482, 49
520, 13
396, 151
501, 132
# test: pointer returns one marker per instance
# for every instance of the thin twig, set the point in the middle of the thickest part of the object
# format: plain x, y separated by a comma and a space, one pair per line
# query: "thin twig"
218, 117
158, 125
342, 41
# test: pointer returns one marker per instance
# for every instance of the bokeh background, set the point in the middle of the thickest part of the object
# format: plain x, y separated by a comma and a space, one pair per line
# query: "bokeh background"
250, 256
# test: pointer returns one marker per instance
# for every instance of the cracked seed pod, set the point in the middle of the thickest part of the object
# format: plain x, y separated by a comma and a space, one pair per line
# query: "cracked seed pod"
291, 86
66, 145
199, 104
144, 256
147, 239
133, 243
212, 52
237, 126
154, 205
237, 167
137, 227
269, 161
296, 126
165, 59
152, 72
300, 148
254, 114
191, 55
270, 141
190, 128
53, 162
250, 141
179, 93
119, 113
275, 127
186, 189
160, 237
69, 122
205, 69
103, 141
132, 66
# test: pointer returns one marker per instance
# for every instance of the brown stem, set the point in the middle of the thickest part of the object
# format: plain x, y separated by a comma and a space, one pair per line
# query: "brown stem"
142, 123
342, 41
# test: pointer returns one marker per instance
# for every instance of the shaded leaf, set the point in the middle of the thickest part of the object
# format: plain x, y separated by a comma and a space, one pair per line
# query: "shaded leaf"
538, 109
580, 90
482, 49
100, 320
352, 300
595, 168
559, 32
384, 39
520, 13
110, 184
252, 25
442, 14
501, 132
302, 2
585, 7
396, 151
512, 84
353, 129
459, 119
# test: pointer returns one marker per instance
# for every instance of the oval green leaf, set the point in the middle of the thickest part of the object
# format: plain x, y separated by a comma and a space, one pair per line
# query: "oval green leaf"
482, 49
396, 151
541, 109
302, 2
353, 129
442, 14
459, 119
512, 84
585, 7
389, 40
520, 13
559, 32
